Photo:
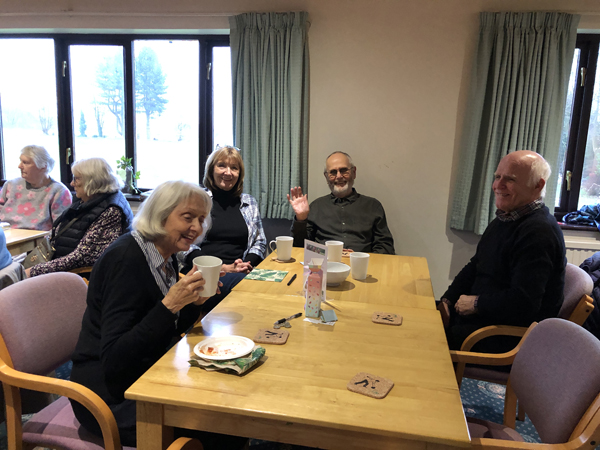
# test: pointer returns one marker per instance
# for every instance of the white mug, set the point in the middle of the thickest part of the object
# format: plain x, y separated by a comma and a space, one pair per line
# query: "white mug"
334, 250
284, 247
359, 262
210, 268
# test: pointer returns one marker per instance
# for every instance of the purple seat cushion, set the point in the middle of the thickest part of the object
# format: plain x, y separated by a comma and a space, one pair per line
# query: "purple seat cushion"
479, 428
555, 377
56, 426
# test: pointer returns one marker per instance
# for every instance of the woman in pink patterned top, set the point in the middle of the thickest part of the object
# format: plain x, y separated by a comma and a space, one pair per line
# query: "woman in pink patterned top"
35, 200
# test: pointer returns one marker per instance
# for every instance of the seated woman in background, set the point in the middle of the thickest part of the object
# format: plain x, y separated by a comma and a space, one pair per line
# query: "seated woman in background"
10, 272
35, 200
137, 309
235, 232
95, 220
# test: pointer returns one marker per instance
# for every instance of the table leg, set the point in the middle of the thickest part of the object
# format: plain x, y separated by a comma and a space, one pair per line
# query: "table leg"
152, 434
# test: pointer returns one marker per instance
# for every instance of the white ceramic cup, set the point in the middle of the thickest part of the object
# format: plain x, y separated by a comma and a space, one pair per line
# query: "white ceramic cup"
284, 247
334, 250
359, 262
210, 267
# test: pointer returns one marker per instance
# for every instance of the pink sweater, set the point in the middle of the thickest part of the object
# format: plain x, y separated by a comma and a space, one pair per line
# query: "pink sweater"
33, 209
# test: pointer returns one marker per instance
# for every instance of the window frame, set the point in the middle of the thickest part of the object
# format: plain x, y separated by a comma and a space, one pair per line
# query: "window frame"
65, 126
589, 46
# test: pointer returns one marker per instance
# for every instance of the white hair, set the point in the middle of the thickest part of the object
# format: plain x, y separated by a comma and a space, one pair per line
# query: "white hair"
40, 156
154, 211
540, 170
96, 175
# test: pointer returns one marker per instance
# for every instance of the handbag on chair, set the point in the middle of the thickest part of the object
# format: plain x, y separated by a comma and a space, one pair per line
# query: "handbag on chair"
44, 251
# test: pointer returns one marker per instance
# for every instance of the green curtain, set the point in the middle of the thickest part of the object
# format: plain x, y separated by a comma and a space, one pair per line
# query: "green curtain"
270, 76
516, 102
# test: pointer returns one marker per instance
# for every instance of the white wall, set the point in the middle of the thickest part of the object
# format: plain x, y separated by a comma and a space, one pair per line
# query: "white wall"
388, 85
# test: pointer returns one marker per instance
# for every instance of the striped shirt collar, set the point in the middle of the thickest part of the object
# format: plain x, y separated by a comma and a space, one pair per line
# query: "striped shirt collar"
515, 215
162, 270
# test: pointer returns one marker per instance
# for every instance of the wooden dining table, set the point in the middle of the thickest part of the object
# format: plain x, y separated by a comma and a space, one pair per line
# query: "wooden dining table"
391, 280
298, 393
20, 241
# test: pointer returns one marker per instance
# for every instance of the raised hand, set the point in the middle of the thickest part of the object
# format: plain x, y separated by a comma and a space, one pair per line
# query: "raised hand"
299, 203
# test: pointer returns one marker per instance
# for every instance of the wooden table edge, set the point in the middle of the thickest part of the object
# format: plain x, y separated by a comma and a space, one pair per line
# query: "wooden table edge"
156, 422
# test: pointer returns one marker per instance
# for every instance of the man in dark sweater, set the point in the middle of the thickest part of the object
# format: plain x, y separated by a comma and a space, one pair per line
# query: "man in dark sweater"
344, 215
517, 274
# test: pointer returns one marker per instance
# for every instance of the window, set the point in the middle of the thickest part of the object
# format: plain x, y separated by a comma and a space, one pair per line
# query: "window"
163, 101
579, 157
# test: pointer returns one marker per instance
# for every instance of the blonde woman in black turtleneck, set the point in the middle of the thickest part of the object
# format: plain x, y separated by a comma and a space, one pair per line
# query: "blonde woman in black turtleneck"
235, 232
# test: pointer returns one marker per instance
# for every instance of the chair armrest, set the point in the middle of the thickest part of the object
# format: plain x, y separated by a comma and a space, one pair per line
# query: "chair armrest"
184, 443
86, 269
462, 356
499, 444
492, 330
584, 308
89, 399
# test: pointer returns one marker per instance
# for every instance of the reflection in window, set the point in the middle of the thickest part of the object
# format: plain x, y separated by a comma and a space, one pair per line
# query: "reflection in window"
564, 135
28, 100
167, 110
222, 103
589, 193
97, 87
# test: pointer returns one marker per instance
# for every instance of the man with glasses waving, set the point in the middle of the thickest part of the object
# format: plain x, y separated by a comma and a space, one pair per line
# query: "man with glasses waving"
344, 215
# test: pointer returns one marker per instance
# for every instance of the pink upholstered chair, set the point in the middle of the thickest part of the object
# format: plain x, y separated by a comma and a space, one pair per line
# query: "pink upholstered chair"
40, 321
577, 306
555, 377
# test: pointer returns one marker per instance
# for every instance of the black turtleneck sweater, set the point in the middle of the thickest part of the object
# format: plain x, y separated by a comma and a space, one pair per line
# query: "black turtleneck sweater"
228, 237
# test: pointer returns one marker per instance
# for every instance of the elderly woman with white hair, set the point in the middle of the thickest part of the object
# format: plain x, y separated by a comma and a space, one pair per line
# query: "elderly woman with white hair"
94, 221
138, 307
35, 200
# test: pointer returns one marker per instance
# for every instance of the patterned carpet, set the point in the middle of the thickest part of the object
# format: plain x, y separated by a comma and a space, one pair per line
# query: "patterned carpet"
480, 399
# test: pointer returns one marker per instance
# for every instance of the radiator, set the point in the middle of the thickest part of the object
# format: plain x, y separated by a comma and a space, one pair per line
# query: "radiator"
578, 255
581, 245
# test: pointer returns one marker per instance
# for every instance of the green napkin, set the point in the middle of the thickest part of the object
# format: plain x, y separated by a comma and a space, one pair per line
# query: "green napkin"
267, 275
238, 365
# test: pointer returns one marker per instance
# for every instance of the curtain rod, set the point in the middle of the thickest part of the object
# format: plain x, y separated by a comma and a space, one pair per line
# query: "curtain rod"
118, 14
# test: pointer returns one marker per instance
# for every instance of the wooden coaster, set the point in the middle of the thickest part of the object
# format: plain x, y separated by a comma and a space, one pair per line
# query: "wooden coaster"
370, 385
271, 336
274, 258
386, 318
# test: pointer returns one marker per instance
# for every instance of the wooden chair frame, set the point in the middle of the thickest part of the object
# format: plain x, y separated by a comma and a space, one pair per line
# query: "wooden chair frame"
14, 380
585, 435
579, 315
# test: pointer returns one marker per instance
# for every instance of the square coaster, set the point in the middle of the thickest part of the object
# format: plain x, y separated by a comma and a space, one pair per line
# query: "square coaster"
370, 385
386, 318
271, 336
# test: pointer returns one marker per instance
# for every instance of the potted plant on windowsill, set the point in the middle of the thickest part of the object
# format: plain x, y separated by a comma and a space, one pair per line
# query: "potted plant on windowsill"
129, 177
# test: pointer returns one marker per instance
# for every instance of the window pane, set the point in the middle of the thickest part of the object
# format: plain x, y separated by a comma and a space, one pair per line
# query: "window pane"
97, 90
167, 115
222, 103
28, 100
564, 136
590, 177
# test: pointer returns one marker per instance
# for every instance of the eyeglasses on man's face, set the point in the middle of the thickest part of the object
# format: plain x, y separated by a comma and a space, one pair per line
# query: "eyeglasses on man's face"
344, 171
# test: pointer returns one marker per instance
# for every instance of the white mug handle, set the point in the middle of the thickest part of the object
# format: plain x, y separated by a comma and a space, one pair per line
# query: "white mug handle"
271, 245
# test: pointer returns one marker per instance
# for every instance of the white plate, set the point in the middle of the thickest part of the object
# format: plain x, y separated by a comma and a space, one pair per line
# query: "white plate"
224, 347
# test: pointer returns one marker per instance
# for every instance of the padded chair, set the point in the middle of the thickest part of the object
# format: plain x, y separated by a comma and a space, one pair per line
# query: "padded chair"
274, 228
12, 274
576, 307
40, 321
555, 377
